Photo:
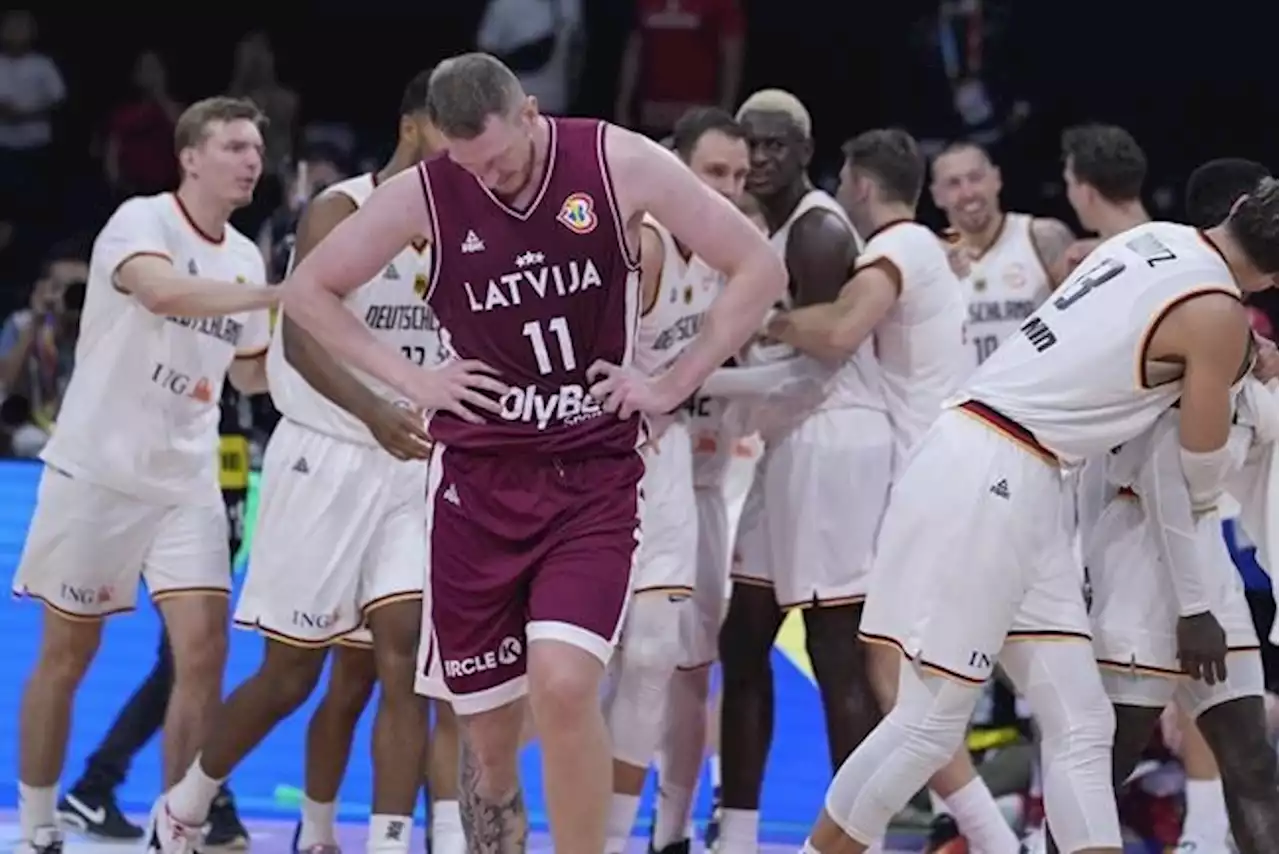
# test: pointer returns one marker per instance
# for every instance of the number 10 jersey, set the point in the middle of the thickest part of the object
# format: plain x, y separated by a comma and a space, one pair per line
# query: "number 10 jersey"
1076, 373
392, 305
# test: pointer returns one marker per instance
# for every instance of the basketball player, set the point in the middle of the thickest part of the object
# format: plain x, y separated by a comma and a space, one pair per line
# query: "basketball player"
1103, 168
1170, 621
1006, 260
130, 485
677, 290
986, 482
339, 543
794, 552
532, 492
903, 292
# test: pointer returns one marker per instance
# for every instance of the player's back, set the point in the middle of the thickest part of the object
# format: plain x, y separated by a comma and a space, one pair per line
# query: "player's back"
1076, 374
686, 289
1005, 284
140, 413
539, 295
391, 305
919, 344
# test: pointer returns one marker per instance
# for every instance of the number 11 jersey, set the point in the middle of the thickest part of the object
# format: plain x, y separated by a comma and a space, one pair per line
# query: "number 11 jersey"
1076, 373
539, 295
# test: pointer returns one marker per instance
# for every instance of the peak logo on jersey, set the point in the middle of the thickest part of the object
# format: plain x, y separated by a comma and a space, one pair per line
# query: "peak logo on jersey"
577, 214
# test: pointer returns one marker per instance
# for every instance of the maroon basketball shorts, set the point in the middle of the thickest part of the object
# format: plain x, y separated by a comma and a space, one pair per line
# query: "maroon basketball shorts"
524, 549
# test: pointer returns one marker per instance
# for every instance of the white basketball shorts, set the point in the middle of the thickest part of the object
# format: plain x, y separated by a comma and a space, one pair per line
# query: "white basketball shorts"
668, 553
976, 549
1134, 614
88, 545
340, 532
810, 521
700, 626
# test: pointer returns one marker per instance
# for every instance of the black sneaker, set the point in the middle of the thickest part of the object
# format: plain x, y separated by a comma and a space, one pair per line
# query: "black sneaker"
224, 828
713, 823
96, 815
945, 837
684, 846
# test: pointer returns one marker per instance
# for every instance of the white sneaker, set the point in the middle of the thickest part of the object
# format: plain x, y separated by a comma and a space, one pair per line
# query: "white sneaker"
45, 840
167, 835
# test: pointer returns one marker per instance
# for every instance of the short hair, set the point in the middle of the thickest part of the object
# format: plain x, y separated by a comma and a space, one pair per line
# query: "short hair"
464, 91
1107, 158
414, 99
1253, 225
892, 158
1214, 187
192, 127
778, 101
698, 122
956, 146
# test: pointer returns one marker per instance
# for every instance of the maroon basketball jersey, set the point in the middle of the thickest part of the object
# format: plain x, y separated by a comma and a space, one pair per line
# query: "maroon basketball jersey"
539, 295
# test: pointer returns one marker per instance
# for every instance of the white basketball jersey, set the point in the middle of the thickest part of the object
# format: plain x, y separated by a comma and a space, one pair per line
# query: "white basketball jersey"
686, 290
140, 414
1004, 285
392, 306
1075, 373
856, 383
920, 342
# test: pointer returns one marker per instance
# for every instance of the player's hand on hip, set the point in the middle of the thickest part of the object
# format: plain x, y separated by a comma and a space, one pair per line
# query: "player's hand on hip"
1202, 647
401, 431
464, 388
1267, 365
626, 391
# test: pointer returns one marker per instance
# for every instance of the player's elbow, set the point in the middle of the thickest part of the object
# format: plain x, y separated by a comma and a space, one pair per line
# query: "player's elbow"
153, 296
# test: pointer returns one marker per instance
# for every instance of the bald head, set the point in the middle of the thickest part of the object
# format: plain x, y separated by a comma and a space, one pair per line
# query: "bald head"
465, 91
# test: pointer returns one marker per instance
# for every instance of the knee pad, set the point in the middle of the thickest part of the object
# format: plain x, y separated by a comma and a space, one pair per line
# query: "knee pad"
923, 731
650, 652
651, 636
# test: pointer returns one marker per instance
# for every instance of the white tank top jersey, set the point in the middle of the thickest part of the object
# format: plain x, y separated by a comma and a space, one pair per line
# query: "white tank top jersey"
1076, 374
857, 382
920, 342
1005, 284
140, 414
392, 306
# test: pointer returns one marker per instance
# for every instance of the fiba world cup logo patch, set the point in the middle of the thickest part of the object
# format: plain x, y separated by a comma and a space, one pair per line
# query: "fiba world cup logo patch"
577, 214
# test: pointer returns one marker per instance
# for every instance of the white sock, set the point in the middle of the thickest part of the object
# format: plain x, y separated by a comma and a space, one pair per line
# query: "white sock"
389, 832
189, 800
672, 819
980, 821
938, 804
1206, 819
317, 823
35, 808
447, 836
739, 831
714, 761
622, 818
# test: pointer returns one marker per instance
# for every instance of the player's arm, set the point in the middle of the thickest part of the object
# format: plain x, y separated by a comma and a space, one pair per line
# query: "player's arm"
833, 331
321, 371
652, 257
248, 373
1166, 503
357, 248
651, 179
161, 289
1051, 239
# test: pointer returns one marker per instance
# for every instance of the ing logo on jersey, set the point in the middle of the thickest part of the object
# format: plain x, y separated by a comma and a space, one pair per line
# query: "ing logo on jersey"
577, 214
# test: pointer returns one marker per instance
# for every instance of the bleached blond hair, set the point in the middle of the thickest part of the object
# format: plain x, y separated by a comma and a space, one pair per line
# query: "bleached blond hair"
778, 101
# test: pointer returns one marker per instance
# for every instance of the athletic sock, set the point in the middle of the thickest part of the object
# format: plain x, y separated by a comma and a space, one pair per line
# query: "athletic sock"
739, 831
317, 824
622, 818
35, 808
1206, 820
979, 818
389, 832
672, 819
189, 800
447, 836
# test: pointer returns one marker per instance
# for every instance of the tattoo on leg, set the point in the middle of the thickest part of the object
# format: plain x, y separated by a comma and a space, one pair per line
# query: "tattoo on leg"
492, 825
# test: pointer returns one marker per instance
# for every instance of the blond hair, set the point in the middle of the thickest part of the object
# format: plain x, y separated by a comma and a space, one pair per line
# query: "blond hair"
778, 101
192, 127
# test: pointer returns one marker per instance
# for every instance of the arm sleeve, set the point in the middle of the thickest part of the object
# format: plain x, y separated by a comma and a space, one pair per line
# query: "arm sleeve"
1166, 501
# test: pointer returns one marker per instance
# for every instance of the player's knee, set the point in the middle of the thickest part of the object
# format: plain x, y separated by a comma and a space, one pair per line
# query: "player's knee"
1237, 733
67, 649
564, 685
351, 681
931, 715
490, 741
395, 647
649, 642
746, 636
292, 671
1079, 730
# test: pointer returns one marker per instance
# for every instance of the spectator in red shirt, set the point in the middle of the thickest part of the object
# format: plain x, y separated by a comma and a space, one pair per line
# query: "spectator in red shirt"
681, 54
139, 158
